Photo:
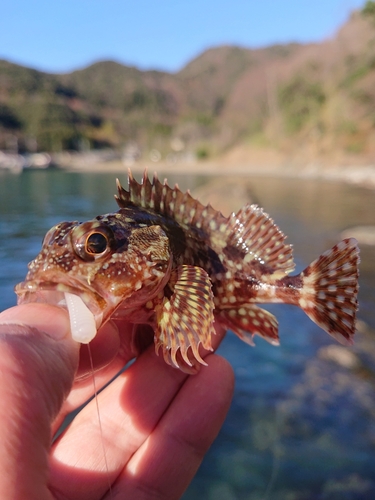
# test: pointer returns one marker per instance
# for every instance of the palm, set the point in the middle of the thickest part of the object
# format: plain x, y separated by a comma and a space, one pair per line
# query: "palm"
156, 425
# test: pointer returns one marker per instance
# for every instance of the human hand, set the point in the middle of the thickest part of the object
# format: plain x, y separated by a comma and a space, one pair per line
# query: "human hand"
156, 422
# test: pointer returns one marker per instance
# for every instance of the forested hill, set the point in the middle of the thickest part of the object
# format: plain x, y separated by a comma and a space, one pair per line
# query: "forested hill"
321, 95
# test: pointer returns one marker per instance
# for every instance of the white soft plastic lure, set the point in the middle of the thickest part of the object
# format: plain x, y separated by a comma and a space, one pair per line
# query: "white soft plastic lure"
82, 321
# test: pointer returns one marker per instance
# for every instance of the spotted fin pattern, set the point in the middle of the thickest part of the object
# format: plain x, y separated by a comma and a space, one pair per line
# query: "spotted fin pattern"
255, 233
186, 318
172, 202
330, 287
249, 320
250, 231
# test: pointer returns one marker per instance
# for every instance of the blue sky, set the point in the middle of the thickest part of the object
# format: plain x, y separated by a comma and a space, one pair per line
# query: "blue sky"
62, 35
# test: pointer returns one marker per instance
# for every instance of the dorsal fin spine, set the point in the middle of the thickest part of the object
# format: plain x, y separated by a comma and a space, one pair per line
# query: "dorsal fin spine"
166, 200
250, 229
255, 231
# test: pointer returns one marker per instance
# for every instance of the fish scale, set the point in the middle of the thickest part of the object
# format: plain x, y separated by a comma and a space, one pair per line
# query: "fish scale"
167, 260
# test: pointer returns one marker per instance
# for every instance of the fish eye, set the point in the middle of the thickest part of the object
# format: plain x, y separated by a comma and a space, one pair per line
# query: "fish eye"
92, 241
96, 243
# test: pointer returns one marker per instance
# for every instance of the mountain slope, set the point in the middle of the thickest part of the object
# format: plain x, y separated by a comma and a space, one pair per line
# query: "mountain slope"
316, 99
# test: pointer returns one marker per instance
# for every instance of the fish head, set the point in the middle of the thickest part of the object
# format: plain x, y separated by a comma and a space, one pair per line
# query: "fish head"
106, 262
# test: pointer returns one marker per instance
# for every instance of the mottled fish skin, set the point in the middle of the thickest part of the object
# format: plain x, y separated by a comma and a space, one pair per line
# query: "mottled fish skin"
167, 260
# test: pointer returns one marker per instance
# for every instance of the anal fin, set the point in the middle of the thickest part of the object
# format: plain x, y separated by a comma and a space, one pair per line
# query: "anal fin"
249, 320
185, 319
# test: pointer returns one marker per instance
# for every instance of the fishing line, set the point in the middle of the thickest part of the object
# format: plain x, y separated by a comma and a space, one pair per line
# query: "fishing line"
100, 421
276, 452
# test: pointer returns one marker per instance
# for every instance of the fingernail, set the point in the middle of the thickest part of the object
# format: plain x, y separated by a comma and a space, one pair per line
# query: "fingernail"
52, 320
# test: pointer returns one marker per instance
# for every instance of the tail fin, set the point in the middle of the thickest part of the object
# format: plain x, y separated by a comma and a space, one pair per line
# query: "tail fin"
330, 288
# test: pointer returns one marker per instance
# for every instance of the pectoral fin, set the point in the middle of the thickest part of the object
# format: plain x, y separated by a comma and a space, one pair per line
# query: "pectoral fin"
185, 319
249, 320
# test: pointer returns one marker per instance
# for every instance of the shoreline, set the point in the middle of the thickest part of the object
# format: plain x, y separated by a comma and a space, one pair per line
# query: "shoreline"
363, 176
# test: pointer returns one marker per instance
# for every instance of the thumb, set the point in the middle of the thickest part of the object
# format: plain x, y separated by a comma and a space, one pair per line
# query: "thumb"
38, 360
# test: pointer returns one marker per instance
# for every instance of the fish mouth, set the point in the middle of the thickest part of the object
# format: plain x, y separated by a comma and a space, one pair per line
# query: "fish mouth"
85, 306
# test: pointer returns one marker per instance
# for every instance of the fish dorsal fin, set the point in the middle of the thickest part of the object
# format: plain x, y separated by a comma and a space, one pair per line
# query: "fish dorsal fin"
250, 234
171, 202
253, 232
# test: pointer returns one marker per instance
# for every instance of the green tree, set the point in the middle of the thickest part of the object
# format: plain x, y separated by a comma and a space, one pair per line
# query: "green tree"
299, 101
369, 9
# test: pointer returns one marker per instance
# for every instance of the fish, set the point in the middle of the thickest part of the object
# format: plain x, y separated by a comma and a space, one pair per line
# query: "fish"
166, 260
